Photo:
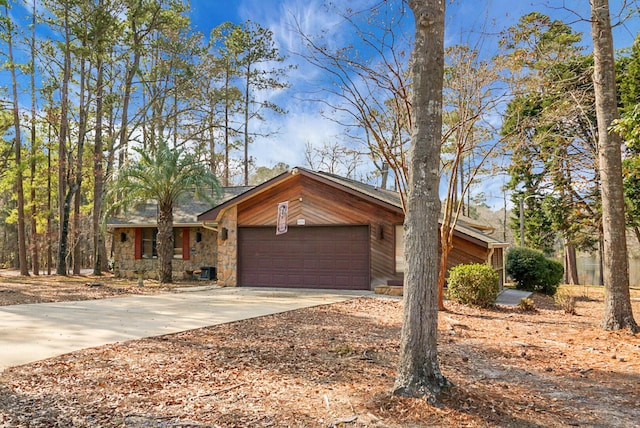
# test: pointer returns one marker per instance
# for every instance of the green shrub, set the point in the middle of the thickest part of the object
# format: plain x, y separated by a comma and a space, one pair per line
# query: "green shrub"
473, 284
532, 271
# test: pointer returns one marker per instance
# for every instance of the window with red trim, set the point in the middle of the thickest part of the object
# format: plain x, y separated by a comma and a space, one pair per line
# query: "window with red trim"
146, 243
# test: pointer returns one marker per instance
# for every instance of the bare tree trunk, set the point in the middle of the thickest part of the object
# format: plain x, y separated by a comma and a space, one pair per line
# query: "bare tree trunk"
165, 243
35, 257
601, 258
175, 112
461, 186
133, 11
98, 159
384, 172
617, 311
227, 142
418, 370
63, 195
82, 132
449, 220
110, 161
17, 144
49, 205
504, 215
64, 229
570, 265
246, 127
111, 125
212, 146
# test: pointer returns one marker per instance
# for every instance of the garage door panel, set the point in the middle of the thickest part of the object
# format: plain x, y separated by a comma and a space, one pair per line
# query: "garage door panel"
343, 265
310, 281
343, 277
279, 263
317, 257
326, 264
261, 262
320, 279
263, 277
311, 264
361, 278
359, 265
325, 247
290, 246
279, 278
291, 279
357, 251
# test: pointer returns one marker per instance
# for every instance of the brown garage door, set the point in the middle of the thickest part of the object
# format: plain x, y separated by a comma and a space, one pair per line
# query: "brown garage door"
308, 257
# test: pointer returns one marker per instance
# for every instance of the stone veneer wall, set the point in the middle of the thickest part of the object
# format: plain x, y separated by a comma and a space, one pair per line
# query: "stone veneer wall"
228, 249
202, 253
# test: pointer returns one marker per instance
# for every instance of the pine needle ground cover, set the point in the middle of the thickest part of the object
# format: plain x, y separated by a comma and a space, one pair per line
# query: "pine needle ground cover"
334, 365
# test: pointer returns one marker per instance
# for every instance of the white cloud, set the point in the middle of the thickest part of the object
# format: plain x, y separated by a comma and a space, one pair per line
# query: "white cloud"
298, 130
304, 122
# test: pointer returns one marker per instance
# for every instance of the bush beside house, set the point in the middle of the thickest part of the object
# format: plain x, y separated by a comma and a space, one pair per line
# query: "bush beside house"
532, 271
474, 284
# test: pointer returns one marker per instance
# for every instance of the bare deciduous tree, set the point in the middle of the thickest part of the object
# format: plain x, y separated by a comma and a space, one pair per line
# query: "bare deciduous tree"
418, 371
617, 306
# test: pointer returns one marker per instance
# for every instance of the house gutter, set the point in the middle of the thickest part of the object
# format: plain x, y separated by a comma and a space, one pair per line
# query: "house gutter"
491, 246
498, 244
212, 225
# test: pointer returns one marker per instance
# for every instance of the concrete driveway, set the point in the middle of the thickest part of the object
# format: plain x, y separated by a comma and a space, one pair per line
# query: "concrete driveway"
33, 332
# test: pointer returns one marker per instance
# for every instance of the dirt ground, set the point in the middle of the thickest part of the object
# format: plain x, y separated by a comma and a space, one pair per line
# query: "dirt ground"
17, 290
332, 366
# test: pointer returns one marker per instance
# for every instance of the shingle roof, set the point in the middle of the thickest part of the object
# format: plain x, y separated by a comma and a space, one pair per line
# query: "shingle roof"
472, 232
388, 196
185, 212
464, 224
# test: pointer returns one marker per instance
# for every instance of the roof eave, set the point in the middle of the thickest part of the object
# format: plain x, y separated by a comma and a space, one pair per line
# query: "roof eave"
142, 225
213, 213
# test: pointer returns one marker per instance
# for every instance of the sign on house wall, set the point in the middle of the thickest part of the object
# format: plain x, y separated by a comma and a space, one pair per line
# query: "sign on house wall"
282, 220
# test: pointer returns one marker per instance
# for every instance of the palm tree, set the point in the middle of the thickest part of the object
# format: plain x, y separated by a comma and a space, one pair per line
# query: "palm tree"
163, 175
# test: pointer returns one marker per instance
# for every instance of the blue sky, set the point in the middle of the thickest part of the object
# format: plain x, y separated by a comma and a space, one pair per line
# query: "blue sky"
304, 124
466, 20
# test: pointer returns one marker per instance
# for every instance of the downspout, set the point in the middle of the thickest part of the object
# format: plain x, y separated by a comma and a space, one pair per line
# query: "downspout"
504, 273
214, 226
491, 251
